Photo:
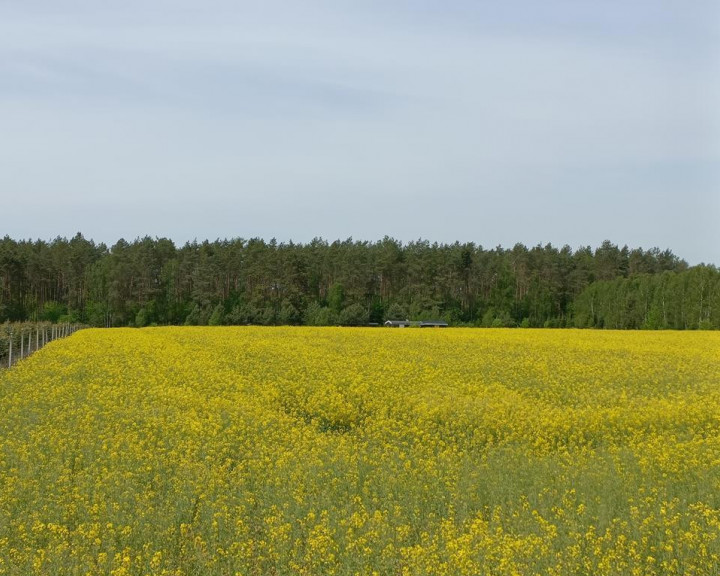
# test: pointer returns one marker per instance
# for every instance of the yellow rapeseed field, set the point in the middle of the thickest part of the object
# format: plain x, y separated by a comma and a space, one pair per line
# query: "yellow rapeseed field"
253, 451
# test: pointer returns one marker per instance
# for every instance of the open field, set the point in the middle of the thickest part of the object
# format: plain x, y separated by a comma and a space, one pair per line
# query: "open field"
354, 451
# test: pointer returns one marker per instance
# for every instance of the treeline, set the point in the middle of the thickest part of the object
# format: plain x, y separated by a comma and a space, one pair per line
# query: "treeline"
152, 281
689, 300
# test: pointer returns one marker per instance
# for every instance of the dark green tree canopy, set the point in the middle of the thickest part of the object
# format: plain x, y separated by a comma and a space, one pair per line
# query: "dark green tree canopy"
152, 281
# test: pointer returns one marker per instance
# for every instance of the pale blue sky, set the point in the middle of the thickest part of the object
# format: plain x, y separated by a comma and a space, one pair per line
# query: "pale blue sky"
495, 122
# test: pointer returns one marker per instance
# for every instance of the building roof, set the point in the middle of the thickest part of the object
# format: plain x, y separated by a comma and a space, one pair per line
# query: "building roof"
398, 323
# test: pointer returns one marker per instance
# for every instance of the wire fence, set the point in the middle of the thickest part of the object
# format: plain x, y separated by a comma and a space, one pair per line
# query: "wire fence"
19, 340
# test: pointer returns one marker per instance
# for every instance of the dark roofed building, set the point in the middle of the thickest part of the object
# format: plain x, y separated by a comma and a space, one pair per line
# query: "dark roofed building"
433, 324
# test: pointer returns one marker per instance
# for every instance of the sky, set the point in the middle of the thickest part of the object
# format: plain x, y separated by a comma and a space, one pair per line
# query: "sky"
562, 121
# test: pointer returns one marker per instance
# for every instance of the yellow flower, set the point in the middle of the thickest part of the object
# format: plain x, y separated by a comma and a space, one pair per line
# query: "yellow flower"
168, 451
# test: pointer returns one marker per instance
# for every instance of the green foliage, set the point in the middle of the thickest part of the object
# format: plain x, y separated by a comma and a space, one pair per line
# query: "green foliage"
377, 310
317, 315
488, 318
288, 314
241, 314
141, 318
354, 315
198, 316
217, 316
52, 311
336, 297
396, 312
686, 300
266, 317
151, 281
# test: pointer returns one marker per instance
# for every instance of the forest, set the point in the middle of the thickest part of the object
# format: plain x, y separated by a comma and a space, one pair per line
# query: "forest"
151, 281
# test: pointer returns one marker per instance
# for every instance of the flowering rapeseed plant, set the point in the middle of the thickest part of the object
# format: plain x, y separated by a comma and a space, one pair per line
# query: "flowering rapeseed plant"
171, 451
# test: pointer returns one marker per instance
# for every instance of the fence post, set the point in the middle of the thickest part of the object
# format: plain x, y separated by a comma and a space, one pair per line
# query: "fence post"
10, 350
22, 344
37, 338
